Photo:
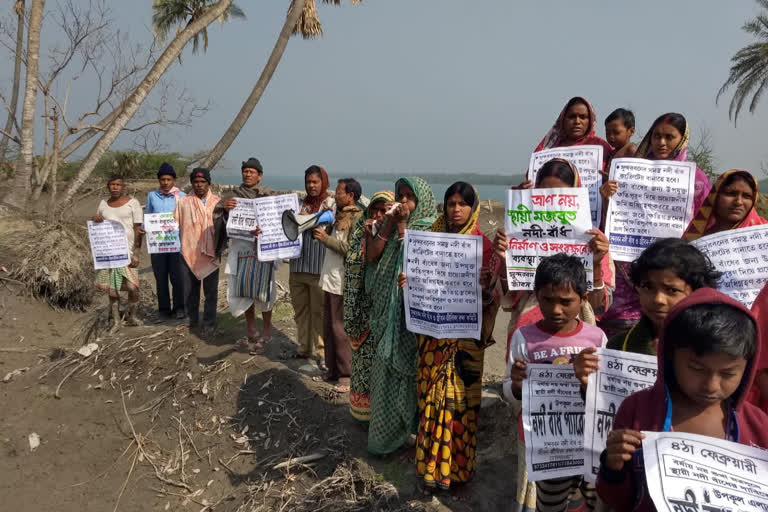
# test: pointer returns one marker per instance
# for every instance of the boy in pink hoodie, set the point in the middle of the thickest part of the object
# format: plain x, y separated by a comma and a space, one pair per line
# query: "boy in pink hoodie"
708, 355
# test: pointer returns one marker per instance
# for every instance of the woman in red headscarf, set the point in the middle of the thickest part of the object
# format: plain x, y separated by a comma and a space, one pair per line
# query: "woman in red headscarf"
575, 126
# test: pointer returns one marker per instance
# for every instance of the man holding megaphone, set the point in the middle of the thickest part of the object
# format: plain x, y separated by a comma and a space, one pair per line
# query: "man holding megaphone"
304, 280
338, 351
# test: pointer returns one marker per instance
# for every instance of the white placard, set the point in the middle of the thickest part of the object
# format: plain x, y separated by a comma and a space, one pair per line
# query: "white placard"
689, 472
442, 294
553, 422
543, 222
742, 256
242, 220
654, 200
619, 375
109, 244
588, 160
162, 231
273, 244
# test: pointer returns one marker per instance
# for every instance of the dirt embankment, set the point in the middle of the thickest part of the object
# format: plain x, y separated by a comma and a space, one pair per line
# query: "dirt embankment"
156, 418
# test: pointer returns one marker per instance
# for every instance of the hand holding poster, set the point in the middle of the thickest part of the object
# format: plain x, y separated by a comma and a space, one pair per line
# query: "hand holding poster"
689, 472
162, 233
654, 200
742, 256
442, 294
543, 222
242, 220
553, 422
588, 160
619, 375
109, 244
273, 244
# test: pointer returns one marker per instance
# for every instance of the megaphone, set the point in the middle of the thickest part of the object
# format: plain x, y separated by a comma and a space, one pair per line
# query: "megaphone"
294, 225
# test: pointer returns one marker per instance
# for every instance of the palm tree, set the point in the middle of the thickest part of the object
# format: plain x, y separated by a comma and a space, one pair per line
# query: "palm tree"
18, 8
135, 99
19, 190
167, 14
301, 19
749, 67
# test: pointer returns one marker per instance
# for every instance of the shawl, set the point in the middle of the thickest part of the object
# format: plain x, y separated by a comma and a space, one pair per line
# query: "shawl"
221, 215
555, 137
760, 310
705, 217
638, 339
357, 303
198, 245
313, 204
524, 307
395, 344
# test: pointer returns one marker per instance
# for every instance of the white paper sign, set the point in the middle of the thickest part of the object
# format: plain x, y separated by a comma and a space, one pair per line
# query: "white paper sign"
442, 294
242, 220
689, 473
654, 200
543, 222
742, 256
619, 375
162, 233
588, 160
553, 422
109, 245
273, 244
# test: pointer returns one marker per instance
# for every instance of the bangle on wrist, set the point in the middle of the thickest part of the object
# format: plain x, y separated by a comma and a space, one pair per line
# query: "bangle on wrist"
595, 288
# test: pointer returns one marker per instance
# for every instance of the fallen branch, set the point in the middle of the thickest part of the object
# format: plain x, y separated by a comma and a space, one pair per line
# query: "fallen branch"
300, 460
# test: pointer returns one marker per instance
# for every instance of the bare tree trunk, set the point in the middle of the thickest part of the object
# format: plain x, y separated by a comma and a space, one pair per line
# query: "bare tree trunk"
16, 78
133, 102
261, 84
54, 167
19, 191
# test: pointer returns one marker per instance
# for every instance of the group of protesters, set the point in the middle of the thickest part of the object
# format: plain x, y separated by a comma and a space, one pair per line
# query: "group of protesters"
346, 288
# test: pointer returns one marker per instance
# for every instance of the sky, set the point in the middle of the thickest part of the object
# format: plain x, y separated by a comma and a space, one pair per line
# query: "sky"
454, 86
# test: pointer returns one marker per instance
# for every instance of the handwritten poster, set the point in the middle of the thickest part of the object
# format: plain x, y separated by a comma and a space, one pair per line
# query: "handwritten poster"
619, 375
689, 472
442, 294
543, 222
162, 233
588, 160
654, 200
242, 220
273, 244
553, 422
742, 256
109, 245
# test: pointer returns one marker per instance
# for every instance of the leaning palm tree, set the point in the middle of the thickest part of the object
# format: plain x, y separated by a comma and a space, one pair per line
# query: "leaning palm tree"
301, 19
749, 67
167, 14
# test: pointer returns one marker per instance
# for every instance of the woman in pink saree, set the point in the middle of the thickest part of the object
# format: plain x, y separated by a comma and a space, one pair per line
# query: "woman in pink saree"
666, 140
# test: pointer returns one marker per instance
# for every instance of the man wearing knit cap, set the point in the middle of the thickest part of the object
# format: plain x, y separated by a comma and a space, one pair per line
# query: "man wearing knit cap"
166, 266
199, 262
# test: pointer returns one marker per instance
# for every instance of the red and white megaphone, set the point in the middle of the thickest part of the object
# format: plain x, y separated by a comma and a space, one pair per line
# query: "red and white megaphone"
294, 225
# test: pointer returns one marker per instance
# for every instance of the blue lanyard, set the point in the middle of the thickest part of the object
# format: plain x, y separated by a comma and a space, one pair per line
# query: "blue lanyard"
733, 422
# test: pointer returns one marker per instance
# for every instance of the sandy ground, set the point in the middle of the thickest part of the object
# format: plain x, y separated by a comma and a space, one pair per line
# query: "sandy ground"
159, 419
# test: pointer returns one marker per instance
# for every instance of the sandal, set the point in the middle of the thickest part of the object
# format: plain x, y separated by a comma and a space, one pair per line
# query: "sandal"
342, 386
255, 348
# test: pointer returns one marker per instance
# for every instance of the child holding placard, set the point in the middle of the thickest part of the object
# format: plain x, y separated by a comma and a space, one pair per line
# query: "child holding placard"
560, 286
707, 355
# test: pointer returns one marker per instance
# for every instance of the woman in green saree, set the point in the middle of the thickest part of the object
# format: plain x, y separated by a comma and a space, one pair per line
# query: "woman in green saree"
394, 412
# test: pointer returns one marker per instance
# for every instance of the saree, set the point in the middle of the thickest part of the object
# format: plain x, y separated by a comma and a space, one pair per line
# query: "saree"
393, 377
760, 309
625, 311
556, 138
358, 276
449, 384
249, 281
706, 216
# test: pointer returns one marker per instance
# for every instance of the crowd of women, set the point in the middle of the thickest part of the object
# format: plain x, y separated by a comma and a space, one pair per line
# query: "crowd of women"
412, 389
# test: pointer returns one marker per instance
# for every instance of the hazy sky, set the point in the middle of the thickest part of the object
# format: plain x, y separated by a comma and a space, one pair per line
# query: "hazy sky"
455, 86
